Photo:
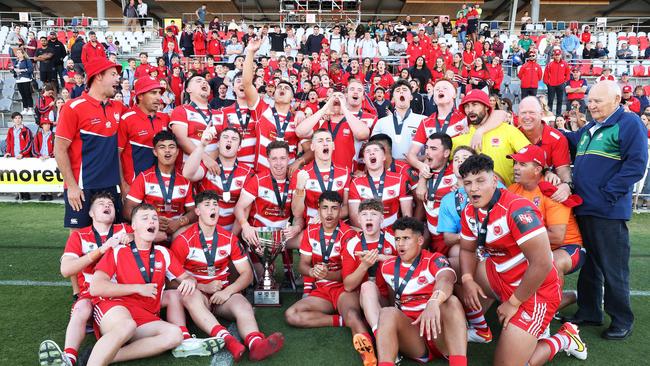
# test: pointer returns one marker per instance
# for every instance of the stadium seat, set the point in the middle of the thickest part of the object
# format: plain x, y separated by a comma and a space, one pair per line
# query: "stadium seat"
494, 25
561, 26
49, 23
621, 36
549, 26
5, 104
585, 69
632, 40
638, 69
574, 25
597, 68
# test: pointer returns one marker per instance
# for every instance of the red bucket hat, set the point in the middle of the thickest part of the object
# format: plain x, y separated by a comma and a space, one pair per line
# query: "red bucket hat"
145, 84
99, 65
475, 95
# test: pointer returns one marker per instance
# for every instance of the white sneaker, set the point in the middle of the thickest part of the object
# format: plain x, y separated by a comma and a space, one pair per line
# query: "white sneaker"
30, 111
198, 347
547, 333
49, 354
475, 336
577, 348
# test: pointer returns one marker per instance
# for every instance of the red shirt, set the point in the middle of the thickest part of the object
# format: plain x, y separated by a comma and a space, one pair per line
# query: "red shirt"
216, 183
311, 246
435, 123
394, 192
576, 84
496, 75
176, 86
135, 137
266, 131
230, 117
530, 74
266, 211
143, 70
165, 42
555, 146
90, 51
351, 262
92, 131
215, 49
339, 183
82, 242
414, 50
196, 122
146, 188
420, 286
120, 265
189, 251
556, 73
513, 220
344, 142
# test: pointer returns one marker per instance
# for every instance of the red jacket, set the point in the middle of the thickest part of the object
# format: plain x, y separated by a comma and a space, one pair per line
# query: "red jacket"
556, 73
633, 104
530, 74
414, 51
165, 42
215, 49
143, 70
386, 80
199, 43
89, 52
496, 74
25, 141
38, 143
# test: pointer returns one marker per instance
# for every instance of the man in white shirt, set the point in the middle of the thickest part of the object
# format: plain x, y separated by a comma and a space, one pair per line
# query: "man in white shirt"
368, 47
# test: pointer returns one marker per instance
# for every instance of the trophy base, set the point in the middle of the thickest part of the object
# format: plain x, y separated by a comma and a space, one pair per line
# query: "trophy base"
266, 297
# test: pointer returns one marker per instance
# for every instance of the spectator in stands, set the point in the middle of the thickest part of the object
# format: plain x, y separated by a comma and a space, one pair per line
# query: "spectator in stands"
215, 24
277, 38
221, 100
556, 75
569, 44
576, 88
478, 75
93, 49
76, 51
420, 71
589, 52
54, 114
14, 38
143, 10
20, 143
607, 75
186, 41
24, 73
639, 93
199, 40
604, 175
44, 143
368, 47
31, 44
624, 53
144, 67
234, 49
201, 12
79, 86
131, 14
625, 80
530, 74
472, 23
109, 45
169, 41
601, 51
525, 42
314, 41
495, 71
646, 54
167, 97
129, 71
44, 56
585, 37
574, 117
629, 102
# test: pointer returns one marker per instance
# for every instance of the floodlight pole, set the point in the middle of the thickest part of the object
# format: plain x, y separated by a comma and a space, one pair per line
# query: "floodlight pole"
101, 12
534, 11
513, 16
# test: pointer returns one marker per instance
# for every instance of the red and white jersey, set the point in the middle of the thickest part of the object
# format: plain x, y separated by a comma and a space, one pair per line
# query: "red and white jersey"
456, 125
394, 192
266, 131
351, 262
146, 189
513, 221
266, 211
402, 167
432, 208
215, 183
188, 250
229, 117
82, 242
313, 189
120, 265
344, 141
420, 286
190, 117
311, 246
135, 137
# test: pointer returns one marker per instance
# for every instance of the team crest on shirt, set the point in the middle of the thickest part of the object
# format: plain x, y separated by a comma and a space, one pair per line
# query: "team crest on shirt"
158, 265
346, 132
536, 201
422, 280
447, 180
387, 251
525, 218
238, 183
143, 133
337, 248
339, 184
391, 192
441, 262
152, 188
223, 252
495, 142
497, 230
182, 191
108, 124
117, 116
459, 127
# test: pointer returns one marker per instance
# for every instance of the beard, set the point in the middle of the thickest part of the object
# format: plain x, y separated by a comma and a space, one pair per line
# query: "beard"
476, 118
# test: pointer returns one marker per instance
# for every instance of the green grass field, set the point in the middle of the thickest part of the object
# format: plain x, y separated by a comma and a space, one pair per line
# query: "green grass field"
32, 240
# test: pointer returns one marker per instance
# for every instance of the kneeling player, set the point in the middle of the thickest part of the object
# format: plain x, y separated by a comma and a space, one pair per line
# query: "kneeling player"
362, 256
206, 250
82, 250
427, 321
520, 270
127, 310
320, 258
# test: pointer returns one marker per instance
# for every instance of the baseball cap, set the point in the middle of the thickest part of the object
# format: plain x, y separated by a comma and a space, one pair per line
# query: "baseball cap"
527, 154
557, 52
627, 89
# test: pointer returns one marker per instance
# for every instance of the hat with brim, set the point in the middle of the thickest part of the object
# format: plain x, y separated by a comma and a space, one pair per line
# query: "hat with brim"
98, 65
146, 84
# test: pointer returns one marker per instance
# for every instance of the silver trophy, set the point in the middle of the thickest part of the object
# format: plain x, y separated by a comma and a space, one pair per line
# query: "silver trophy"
271, 243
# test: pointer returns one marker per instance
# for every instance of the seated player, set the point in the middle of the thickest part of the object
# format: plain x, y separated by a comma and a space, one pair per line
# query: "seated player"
165, 188
228, 183
563, 232
431, 190
427, 321
82, 250
388, 187
206, 250
519, 269
361, 257
128, 285
328, 304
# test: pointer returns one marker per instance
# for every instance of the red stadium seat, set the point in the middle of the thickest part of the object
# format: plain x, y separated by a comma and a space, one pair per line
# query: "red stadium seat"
646, 89
639, 70
597, 70
5, 61
574, 25
60, 22
632, 40
585, 69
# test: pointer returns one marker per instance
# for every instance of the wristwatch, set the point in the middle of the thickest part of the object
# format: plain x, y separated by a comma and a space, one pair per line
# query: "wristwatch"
571, 185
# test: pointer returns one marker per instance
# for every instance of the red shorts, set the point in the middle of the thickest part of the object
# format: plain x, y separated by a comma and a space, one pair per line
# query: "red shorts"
330, 293
535, 314
438, 244
432, 353
139, 315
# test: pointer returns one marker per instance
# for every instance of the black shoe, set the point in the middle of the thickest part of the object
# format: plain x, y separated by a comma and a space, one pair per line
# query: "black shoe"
25, 196
49, 197
616, 334
43, 197
580, 322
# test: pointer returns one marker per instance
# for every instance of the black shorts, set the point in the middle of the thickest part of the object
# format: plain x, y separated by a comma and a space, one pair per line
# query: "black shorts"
78, 219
